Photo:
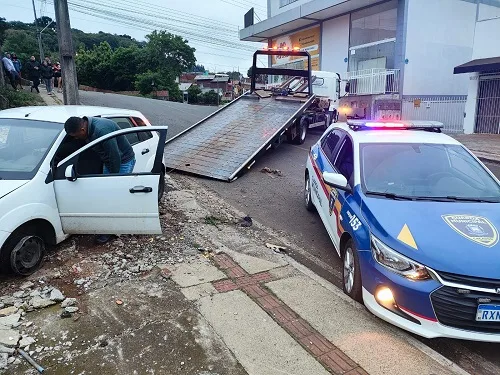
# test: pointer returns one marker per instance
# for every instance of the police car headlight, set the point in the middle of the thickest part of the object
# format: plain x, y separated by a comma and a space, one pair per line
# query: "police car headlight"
398, 263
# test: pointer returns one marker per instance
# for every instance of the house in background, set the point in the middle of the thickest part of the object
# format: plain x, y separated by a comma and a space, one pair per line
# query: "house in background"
398, 56
219, 83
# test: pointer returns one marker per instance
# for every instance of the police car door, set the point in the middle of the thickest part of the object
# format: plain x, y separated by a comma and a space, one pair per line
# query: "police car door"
343, 164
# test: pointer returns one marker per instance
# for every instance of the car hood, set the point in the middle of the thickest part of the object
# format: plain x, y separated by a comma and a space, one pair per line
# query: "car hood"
455, 237
8, 186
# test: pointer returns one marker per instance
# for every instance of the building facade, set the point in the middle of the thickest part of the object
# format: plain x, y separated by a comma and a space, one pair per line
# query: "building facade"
398, 56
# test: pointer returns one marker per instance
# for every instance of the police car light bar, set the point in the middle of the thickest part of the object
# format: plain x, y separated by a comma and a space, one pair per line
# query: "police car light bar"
400, 125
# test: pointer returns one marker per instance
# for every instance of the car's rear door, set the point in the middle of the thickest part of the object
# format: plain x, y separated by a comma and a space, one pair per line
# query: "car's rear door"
109, 203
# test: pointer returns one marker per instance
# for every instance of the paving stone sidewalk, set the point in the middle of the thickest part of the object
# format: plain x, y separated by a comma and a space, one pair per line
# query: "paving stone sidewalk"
485, 146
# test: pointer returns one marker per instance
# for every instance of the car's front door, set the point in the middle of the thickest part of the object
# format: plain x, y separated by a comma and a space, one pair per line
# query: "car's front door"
109, 203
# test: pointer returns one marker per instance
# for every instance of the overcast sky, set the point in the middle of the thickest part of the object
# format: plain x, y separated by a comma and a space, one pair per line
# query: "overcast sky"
211, 26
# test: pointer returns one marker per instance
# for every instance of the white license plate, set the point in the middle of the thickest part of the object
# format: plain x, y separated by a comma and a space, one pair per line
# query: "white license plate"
488, 313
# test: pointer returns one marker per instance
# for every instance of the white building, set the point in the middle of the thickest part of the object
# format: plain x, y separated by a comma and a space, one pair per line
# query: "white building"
399, 56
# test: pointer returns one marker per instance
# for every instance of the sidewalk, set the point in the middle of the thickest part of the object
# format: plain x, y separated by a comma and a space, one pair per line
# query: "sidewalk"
206, 298
485, 146
56, 99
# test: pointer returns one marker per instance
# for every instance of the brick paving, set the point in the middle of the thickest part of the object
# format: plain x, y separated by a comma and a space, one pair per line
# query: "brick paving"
331, 357
485, 146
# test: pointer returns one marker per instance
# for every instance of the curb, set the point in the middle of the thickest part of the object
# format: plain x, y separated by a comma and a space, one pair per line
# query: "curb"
488, 160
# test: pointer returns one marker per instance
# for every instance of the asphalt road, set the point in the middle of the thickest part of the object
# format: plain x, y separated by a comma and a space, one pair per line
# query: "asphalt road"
277, 202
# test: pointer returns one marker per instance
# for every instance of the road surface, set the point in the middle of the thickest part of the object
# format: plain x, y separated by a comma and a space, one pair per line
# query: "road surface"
277, 202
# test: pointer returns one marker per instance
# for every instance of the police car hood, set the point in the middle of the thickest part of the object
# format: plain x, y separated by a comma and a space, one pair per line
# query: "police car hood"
455, 237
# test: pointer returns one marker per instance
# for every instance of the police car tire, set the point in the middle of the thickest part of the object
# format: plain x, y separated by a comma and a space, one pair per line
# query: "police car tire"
356, 290
307, 194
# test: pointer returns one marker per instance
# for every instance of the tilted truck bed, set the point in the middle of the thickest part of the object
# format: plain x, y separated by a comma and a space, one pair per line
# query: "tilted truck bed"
223, 144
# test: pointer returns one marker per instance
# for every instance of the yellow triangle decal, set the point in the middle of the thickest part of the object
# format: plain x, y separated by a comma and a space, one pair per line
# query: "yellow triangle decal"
406, 237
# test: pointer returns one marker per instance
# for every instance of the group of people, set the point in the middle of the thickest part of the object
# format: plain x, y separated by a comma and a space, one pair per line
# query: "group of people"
46, 71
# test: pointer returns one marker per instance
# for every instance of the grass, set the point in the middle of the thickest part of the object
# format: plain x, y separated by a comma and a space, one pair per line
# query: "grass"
11, 99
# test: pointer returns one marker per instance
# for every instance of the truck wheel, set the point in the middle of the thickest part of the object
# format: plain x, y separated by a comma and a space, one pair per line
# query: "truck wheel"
22, 253
301, 132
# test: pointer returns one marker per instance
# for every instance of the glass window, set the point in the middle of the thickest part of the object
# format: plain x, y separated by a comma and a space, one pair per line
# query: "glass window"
143, 136
124, 123
345, 161
425, 170
329, 143
373, 24
24, 145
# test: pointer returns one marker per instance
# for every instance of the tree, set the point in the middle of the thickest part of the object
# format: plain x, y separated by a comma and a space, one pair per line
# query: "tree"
234, 76
260, 78
3, 27
20, 42
124, 64
168, 53
194, 93
210, 97
199, 68
150, 81
94, 66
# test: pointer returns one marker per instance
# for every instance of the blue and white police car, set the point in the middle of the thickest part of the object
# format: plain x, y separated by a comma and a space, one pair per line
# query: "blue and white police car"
414, 216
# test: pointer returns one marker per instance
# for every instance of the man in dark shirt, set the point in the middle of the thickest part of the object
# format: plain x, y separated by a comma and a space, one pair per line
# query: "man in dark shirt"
116, 153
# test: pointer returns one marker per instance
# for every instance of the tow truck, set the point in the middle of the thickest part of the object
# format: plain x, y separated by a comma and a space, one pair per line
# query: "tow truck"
228, 142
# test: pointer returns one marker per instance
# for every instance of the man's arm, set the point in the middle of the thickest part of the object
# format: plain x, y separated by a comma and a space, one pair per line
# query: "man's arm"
113, 152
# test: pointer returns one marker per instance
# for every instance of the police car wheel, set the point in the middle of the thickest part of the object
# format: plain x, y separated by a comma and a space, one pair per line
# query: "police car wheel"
351, 273
307, 194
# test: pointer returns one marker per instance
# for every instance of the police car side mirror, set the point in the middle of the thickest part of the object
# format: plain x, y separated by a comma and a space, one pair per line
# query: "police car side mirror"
336, 180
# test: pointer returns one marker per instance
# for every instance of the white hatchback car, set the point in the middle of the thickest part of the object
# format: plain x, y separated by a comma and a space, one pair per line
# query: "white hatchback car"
52, 186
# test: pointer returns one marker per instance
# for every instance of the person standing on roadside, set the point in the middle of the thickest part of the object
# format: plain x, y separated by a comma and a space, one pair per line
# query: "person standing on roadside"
34, 73
47, 74
11, 71
57, 76
17, 64
116, 153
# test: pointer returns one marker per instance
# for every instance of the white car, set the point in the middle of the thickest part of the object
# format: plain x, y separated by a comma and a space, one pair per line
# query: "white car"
52, 186
415, 217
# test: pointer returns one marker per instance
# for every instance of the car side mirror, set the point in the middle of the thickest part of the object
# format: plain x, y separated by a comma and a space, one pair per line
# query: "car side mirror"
336, 180
70, 173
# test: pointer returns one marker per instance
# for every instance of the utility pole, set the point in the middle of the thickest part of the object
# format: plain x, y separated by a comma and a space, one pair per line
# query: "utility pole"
68, 67
36, 26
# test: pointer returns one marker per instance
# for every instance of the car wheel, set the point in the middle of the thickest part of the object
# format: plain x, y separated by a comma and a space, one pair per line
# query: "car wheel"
351, 273
23, 253
161, 185
301, 132
307, 194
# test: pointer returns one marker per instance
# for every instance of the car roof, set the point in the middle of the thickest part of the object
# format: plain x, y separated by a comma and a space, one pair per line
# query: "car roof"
396, 136
60, 113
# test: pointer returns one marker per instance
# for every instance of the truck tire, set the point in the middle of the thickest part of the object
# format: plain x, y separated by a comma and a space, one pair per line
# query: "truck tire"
301, 131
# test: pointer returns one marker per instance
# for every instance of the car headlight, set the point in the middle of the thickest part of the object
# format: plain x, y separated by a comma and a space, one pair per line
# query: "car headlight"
397, 262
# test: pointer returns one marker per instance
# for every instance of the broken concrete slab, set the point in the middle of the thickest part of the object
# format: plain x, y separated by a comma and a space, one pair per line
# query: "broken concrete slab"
257, 341
9, 337
196, 292
252, 264
39, 303
10, 321
185, 201
8, 310
189, 274
4, 349
68, 302
4, 358
56, 295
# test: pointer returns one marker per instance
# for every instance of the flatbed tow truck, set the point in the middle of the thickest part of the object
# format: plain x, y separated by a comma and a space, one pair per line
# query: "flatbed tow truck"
228, 142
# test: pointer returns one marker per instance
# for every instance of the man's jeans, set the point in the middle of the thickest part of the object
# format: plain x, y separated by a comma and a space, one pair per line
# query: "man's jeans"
125, 168
48, 84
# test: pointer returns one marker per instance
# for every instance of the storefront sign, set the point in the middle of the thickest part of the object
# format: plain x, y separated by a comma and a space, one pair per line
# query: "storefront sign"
307, 40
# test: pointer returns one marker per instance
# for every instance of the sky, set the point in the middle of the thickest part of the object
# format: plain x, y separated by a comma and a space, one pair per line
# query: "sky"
211, 26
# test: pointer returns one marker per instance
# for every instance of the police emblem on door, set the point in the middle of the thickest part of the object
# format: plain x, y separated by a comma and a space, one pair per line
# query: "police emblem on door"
475, 228
332, 199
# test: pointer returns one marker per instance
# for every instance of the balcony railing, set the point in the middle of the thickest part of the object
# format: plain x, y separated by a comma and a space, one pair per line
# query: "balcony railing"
373, 81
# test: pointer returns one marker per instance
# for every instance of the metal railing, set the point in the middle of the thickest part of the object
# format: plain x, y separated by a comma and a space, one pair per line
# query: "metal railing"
446, 109
373, 81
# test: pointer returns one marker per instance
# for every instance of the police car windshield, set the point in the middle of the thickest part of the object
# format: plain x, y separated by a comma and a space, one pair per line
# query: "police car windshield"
423, 171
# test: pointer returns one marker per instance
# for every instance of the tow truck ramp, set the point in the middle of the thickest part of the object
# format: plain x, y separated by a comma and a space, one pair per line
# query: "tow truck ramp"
223, 144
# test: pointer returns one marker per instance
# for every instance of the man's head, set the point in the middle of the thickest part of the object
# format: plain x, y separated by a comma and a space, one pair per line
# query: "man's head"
32, 58
8, 55
76, 127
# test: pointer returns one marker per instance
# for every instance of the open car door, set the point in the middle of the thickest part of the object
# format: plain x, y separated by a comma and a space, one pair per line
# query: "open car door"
110, 203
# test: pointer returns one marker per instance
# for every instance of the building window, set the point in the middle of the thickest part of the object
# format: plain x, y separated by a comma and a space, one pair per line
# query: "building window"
372, 37
284, 3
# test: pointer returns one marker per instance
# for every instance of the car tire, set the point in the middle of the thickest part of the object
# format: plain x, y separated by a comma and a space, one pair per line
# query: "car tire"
300, 138
351, 272
22, 253
307, 194
161, 185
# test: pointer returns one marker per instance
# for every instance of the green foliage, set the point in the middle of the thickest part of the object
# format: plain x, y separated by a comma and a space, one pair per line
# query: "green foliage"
234, 75
198, 68
18, 98
93, 66
194, 93
149, 82
21, 43
210, 98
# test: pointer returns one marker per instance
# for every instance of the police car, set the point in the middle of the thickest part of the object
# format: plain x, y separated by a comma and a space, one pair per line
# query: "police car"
414, 216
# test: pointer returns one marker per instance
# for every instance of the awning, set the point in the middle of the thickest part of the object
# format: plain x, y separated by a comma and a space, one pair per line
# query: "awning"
491, 64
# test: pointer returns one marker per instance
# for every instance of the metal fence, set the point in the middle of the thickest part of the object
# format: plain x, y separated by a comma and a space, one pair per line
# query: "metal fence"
449, 110
488, 105
373, 81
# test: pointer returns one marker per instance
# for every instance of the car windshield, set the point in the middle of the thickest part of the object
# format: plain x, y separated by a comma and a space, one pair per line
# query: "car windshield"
425, 171
24, 145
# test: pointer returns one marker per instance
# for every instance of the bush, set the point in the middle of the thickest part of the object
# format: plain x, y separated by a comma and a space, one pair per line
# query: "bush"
194, 93
11, 99
210, 98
